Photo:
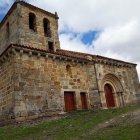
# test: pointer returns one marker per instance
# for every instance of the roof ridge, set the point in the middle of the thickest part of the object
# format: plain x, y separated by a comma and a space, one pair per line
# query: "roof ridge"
97, 56
75, 52
36, 7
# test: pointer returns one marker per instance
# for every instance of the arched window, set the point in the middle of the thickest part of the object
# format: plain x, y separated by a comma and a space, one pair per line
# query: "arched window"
7, 30
32, 21
47, 30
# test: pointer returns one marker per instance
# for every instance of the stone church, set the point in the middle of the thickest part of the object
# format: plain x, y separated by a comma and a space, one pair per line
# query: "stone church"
38, 78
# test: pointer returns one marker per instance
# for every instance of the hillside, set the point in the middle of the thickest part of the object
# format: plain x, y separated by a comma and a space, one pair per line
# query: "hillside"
112, 124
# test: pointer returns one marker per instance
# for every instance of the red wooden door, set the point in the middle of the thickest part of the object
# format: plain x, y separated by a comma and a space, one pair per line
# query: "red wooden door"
109, 96
69, 101
83, 100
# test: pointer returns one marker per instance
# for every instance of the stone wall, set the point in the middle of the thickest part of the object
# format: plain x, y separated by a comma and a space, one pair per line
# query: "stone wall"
33, 81
37, 38
5, 39
33, 85
7, 89
40, 84
19, 32
126, 75
138, 94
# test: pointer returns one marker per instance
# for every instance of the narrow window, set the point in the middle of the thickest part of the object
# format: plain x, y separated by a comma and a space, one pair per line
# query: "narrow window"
50, 46
47, 30
7, 30
68, 69
32, 21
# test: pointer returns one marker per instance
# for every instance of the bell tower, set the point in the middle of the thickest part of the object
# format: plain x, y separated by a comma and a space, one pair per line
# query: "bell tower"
27, 25
37, 28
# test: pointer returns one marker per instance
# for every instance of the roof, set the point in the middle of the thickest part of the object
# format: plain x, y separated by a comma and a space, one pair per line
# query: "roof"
87, 56
72, 54
14, 6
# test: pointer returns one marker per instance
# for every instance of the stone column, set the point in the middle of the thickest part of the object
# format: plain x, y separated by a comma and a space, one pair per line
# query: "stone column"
119, 99
116, 99
78, 100
103, 99
122, 98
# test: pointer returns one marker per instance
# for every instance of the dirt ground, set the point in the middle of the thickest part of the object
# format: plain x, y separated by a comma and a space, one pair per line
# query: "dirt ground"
128, 119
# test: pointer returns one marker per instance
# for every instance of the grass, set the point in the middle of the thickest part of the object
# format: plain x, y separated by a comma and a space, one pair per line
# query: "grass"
118, 133
74, 127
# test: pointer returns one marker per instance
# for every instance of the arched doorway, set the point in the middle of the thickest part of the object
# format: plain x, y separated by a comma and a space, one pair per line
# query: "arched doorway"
111, 91
109, 95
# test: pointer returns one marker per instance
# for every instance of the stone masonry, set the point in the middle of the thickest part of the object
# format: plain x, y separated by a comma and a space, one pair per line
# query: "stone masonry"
35, 74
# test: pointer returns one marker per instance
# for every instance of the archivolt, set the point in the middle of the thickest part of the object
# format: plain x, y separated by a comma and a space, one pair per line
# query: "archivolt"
113, 80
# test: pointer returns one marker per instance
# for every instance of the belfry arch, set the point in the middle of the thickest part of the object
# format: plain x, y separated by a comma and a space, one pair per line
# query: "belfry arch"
111, 91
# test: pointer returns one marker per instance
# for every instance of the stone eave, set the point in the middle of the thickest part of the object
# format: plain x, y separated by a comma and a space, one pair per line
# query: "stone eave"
14, 48
69, 55
113, 62
101, 59
14, 6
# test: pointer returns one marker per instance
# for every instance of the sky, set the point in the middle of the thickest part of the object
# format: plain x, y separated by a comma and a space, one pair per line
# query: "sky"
104, 27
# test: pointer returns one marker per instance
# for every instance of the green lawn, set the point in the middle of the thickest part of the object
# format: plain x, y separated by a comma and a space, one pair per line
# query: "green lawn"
118, 133
75, 126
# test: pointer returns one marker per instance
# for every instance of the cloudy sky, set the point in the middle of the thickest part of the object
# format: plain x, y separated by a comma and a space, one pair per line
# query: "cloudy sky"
105, 27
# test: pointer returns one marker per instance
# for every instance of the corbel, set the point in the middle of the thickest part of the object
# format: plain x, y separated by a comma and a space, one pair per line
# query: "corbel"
38, 55
13, 51
60, 58
30, 53
21, 52
54, 57
46, 56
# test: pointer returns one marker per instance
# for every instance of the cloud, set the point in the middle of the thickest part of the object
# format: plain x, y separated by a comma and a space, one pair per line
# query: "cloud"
91, 14
117, 20
4, 5
72, 42
120, 39
120, 42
